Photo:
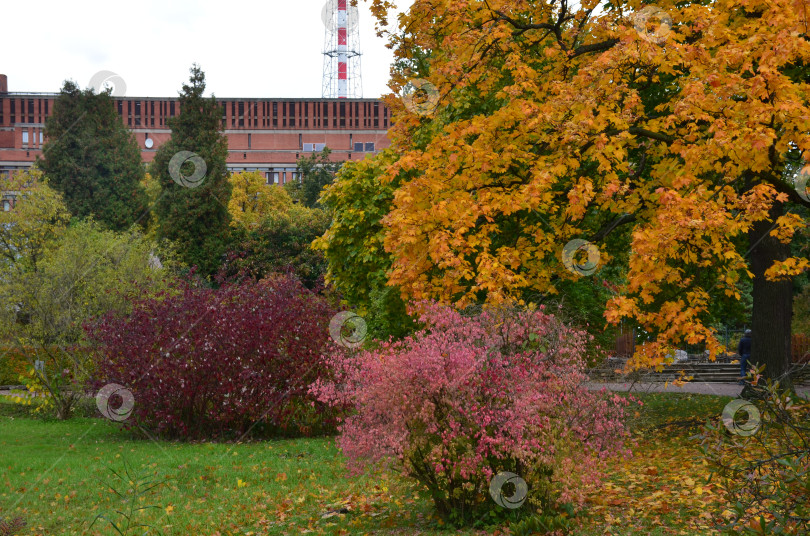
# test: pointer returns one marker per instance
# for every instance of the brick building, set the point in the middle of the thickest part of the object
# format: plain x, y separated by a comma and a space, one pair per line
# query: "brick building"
266, 135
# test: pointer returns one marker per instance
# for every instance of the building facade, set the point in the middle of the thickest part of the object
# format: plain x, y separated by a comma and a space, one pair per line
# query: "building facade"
265, 135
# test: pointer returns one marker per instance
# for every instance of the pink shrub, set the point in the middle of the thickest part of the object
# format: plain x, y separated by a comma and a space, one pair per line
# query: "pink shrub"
470, 396
206, 363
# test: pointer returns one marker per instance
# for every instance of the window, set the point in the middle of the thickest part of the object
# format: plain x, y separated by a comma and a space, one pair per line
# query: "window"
13, 111
292, 114
343, 114
275, 177
137, 113
376, 114
6, 205
284, 114
249, 141
356, 114
224, 113
320, 146
25, 137
275, 114
121, 108
40, 137
171, 108
30, 110
152, 113
300, 139
241, 114
308, 147
306, 113
1, 111
360, 147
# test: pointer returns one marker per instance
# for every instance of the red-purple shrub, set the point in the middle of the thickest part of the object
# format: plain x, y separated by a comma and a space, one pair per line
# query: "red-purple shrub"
470, 396
202, 362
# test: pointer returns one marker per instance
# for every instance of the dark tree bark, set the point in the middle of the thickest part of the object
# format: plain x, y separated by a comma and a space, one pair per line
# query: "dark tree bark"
772, 302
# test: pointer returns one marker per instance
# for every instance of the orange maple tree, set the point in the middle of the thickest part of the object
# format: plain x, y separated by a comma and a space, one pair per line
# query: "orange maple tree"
683, 125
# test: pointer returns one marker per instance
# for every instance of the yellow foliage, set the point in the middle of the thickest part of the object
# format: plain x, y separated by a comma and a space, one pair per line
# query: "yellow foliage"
252, 199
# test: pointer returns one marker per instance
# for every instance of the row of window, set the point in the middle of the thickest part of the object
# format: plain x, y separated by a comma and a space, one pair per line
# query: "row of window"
359, 147
25, 136
343, 114
243, 113
37, 110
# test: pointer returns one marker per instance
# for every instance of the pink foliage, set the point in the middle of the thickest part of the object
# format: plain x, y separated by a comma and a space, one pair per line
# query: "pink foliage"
469, 396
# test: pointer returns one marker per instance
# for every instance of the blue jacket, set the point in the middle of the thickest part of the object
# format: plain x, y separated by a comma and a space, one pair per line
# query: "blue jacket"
744, 348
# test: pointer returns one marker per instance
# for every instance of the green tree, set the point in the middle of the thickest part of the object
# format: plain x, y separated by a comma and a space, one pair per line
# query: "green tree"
86, 272
315, 172
358, 265
92, 159
38, 219
280, 242
192, 209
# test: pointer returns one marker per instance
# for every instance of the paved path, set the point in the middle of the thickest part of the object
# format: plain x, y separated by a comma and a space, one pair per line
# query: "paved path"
702, 388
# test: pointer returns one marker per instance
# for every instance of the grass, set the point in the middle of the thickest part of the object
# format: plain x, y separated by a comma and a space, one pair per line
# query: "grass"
57, 475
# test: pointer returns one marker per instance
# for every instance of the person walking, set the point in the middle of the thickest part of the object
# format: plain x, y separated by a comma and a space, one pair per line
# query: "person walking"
744, 349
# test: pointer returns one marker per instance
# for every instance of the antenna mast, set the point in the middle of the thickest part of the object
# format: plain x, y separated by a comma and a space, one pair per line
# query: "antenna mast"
341, 51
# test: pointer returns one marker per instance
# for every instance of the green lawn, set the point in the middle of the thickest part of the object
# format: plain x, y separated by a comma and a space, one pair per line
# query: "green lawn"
56, 475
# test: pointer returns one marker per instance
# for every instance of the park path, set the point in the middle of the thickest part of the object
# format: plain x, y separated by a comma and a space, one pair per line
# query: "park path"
701, 388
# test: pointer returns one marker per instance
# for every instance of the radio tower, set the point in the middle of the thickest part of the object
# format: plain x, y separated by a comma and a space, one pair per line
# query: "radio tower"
341, 51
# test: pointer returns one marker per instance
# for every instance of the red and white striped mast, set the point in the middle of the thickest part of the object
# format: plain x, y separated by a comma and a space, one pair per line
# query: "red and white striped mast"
341, 64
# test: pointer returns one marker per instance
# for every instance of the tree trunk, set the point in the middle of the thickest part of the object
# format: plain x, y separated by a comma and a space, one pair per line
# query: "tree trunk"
772, 302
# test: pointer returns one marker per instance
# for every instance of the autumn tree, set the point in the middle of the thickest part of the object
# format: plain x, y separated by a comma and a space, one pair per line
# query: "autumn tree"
252, 199
681, 126
192, 209
92, 158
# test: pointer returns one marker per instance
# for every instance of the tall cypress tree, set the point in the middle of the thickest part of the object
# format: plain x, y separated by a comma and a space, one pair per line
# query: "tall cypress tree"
191, 209
93, 159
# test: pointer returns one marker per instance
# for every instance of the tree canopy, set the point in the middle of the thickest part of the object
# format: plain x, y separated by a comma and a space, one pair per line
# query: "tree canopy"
92, 158
667, 141
192, 208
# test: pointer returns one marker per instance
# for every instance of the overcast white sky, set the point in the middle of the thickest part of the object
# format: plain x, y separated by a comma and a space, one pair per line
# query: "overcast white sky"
247, 48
